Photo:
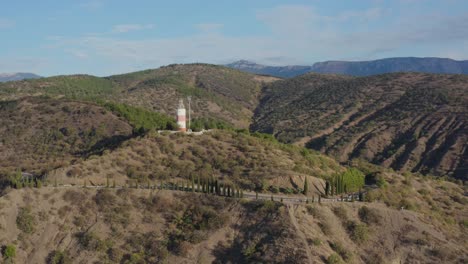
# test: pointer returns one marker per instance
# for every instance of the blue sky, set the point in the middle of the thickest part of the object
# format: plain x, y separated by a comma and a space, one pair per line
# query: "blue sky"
104, 37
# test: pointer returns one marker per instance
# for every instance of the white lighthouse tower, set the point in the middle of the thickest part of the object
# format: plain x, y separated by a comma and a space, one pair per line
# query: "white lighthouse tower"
181, 116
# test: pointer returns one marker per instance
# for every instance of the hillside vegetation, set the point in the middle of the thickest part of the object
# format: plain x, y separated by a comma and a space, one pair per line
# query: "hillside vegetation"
217, 92
248, 161
407, 121
39, 134
83, 225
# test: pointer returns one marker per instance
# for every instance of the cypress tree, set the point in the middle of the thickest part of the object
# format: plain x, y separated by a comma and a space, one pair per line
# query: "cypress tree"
327, 188
229, 191
319, 199
272, 197
306, 186
242, 193
113, 184
256, 195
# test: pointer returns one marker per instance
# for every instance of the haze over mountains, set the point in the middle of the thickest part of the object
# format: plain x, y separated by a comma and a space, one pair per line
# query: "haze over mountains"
16, 76
359, 68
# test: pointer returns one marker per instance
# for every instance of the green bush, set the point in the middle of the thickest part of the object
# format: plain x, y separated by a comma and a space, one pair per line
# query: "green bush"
141, 119
359, 233
9, 252
25, 221
334, 259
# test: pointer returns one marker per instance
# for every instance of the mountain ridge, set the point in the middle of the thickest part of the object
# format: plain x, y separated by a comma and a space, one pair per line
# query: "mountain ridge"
359, 68
17, 76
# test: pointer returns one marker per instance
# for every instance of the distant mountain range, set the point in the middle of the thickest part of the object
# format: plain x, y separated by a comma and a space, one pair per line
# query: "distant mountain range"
16, 76
359, 68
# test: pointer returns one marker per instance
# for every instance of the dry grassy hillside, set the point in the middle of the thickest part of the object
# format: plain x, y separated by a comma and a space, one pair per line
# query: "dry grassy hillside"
251, 162
407, 121
38, 134
218, 92
80, 225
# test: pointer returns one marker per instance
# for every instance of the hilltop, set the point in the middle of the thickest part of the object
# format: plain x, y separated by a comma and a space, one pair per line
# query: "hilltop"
217, 92
359, 68
407, 121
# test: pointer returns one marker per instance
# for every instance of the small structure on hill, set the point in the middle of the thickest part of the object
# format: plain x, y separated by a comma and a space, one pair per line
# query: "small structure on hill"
181, 116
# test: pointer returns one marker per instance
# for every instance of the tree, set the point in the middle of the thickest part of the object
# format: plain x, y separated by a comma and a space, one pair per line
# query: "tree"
327, 188
306, 186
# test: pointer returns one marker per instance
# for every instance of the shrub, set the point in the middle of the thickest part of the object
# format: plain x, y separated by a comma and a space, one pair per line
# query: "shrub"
58, 257
368, 215
9, 252
343, 252
340, 212
334, 259
25, 221
90, 241
358, 232
312, 210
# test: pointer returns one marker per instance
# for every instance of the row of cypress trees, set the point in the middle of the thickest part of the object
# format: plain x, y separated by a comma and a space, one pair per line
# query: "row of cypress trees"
210, 186
351, 180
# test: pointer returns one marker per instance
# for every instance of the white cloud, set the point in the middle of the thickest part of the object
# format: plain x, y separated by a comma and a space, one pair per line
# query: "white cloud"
299, 35
124, 28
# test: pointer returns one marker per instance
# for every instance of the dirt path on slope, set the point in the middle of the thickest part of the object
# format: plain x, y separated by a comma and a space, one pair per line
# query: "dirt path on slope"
299, 232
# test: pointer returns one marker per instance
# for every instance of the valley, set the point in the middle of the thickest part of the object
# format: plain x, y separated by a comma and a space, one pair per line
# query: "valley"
90, 172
